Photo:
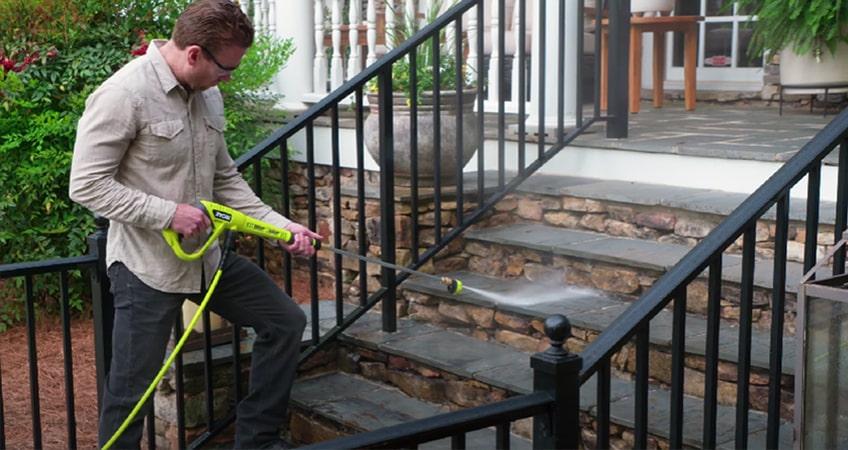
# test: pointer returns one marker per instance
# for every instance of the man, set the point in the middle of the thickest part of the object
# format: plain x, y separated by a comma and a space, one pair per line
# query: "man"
150, 144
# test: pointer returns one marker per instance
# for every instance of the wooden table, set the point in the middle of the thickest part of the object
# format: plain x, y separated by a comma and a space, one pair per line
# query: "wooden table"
659, 26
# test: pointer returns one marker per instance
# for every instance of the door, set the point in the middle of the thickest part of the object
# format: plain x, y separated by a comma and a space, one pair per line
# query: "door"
723, 40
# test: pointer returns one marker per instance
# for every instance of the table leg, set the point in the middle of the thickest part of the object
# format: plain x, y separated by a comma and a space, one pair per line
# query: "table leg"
689, 65
635, 68
659, 67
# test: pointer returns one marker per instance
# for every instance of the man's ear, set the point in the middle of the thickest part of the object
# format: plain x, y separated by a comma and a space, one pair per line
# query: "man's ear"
193, 53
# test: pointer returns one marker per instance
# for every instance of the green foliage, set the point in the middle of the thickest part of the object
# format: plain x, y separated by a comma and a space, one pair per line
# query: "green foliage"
57, 53
425, 65
804, 24
249, 102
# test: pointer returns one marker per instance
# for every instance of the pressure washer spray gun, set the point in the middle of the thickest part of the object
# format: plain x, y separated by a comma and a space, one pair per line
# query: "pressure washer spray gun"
224, 218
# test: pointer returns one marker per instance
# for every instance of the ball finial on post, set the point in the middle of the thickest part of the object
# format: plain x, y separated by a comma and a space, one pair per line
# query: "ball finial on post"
558, 330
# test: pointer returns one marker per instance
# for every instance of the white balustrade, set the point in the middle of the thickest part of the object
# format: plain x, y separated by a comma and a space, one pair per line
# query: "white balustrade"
319, 68
354, 62
347, 37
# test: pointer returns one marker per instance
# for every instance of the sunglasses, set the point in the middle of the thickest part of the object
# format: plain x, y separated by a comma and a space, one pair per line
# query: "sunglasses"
224, 70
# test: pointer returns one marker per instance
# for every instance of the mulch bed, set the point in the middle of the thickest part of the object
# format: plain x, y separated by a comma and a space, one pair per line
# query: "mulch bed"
17, 405
15, 372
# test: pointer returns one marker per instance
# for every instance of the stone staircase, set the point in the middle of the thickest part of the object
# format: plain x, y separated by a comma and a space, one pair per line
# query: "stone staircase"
582, 247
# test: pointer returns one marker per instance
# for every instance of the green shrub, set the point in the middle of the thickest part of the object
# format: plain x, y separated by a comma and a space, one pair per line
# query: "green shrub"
248, 101
57, 53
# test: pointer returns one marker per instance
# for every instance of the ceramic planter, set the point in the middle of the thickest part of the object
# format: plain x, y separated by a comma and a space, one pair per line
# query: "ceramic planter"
639, 7
827, 69
651, 8
427, 148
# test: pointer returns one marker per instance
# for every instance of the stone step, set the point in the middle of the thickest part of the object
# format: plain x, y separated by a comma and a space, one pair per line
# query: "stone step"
654, 212
696, 200
511, 311
550, 241
348, 403
573, 236
456, 366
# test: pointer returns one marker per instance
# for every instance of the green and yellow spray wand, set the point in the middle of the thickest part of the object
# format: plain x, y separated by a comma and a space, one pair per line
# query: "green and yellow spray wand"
225, 219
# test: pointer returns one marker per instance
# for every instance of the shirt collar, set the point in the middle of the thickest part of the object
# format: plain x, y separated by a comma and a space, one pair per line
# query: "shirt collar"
166, 76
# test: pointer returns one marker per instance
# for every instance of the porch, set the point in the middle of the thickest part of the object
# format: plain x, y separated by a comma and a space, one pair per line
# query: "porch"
731, 146
323, 30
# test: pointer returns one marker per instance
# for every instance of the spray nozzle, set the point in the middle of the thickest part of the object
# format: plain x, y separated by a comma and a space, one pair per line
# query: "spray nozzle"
454, 286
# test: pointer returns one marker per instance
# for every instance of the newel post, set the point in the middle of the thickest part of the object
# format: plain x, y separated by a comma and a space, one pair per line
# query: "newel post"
556, 371
102, 302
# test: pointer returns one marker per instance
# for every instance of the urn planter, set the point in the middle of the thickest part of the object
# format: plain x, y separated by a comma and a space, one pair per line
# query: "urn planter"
814, 71
651, 7
450, 157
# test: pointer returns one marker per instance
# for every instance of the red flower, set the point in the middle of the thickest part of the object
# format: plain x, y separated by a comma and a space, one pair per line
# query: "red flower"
140, 51
8, 64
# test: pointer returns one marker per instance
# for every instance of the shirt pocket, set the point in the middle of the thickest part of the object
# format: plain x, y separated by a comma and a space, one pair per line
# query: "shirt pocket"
164, 142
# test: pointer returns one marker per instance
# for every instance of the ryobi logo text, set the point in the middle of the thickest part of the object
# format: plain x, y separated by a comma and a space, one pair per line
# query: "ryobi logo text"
221, 215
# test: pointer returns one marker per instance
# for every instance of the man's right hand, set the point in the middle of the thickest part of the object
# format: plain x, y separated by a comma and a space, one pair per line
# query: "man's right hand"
189, 221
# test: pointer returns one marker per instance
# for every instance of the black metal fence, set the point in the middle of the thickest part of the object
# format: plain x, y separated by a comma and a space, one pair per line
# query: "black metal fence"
317, 192
554, 406
53, 275
632, 326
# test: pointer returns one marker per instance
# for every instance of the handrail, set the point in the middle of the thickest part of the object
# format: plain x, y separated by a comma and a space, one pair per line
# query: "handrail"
46, 266
693, 263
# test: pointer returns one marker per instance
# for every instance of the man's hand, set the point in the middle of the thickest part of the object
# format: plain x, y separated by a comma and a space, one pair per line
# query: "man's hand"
189, 221
302, 244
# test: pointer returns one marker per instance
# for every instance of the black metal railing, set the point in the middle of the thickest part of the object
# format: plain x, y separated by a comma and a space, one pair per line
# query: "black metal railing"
451, 206
53, 276
287, 170
553, 405
330, 161
632, 326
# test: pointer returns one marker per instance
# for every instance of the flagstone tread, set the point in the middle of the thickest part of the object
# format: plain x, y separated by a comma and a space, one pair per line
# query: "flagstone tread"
638, 253
702, 200
596, 310
364, 405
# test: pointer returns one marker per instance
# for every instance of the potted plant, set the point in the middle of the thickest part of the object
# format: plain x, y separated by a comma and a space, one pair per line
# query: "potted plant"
810, 36
422, 95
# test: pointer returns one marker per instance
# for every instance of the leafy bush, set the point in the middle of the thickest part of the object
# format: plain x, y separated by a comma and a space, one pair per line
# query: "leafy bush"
57, 53
248, 100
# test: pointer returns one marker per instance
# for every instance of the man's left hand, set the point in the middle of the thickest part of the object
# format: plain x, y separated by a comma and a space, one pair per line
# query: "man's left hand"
303, 238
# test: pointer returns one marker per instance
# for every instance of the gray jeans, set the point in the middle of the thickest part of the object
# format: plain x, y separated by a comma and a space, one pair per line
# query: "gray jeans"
144, 318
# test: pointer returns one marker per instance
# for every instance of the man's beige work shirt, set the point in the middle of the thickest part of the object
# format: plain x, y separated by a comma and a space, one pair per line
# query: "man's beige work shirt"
145, 144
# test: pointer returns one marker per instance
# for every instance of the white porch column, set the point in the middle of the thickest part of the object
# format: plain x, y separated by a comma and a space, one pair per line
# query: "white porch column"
552, 76
294, 20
